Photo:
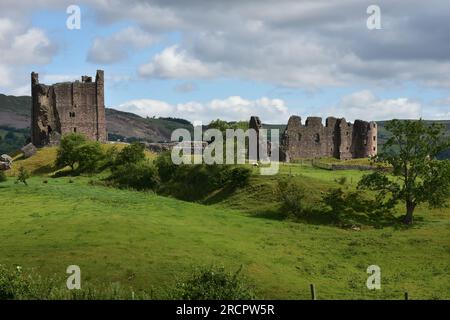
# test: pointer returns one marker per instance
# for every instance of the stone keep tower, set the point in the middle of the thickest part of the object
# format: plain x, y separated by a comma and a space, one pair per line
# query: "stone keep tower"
67, 107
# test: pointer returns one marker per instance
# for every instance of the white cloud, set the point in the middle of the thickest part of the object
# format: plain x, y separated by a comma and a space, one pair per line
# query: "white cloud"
366, 106
299, 44
21, 46
230, 109
174, 63
116, 47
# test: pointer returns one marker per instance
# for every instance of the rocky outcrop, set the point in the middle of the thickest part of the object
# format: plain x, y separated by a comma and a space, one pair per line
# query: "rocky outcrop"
28, 150
5, 162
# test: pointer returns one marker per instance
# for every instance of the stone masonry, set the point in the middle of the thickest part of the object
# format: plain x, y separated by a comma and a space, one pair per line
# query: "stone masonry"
68, 107
338, 138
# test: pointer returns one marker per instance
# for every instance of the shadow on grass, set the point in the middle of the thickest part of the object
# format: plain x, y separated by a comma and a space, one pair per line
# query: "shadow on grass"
220, 195
322, 215
44, 170
65, 173
269, 214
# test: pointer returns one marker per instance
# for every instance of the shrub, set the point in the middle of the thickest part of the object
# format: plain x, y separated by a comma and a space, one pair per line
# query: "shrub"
109, 159
132, 153
76, 149
2, 176
345, 207
88, 156
67, 154
238, 177
140, 176
291, 197
166, 168
337, 200
23, 176
13, 284
341, 180
213, 283
16, 284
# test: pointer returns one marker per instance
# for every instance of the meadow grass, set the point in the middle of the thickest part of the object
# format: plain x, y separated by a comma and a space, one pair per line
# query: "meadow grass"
145, 241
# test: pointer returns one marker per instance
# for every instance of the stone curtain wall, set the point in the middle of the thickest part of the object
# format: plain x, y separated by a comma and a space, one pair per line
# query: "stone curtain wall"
338, 138
68, 107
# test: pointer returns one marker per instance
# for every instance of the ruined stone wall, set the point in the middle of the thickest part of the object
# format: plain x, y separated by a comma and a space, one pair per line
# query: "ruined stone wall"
337, 138
68, 107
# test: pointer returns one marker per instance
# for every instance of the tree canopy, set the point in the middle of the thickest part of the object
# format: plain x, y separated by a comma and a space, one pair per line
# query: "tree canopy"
417, 176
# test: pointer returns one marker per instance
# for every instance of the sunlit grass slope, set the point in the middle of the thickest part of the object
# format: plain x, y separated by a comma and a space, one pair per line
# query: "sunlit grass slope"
145, 241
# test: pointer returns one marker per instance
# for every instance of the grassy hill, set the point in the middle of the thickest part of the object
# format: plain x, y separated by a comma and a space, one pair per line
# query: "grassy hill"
146, 241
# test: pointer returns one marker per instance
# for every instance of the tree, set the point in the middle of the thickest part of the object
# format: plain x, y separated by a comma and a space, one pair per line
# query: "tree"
132, 153
23, 176
166, 168
417, 176
67, 154
291, 197
222, 125
88, 156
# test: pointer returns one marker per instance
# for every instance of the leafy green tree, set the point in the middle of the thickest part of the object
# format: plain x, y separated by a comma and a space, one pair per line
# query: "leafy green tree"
291, 197
417, 177
133, 153
141, 176
219, 124
67, 154
240, 125
88, 156
223, 125
166, 168
23, 176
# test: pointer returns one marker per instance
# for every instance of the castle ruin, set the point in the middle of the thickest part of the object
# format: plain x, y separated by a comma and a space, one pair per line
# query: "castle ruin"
67, 107
338, 138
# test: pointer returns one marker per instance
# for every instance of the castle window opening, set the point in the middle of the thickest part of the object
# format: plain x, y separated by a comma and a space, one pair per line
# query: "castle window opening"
374, 138
74, 130
317, 138
374, 148
72, 114
299, 136
346, 133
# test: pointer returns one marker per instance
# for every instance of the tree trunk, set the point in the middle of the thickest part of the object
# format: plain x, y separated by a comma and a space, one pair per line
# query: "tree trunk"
408, 219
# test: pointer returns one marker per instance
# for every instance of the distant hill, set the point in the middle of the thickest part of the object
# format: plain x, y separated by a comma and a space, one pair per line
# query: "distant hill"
15, 113
15, 117
129, 127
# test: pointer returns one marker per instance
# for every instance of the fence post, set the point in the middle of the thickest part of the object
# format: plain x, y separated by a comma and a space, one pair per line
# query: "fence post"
406, 296
313, 292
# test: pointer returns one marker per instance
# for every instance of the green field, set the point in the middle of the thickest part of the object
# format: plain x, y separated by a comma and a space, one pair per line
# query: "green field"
146, 241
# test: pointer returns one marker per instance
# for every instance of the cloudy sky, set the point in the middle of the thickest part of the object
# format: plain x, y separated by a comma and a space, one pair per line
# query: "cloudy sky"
202, 60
